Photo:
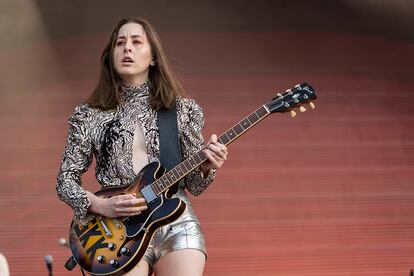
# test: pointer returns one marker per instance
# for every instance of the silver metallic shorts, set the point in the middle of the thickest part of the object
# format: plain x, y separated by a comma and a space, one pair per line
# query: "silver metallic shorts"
183, 233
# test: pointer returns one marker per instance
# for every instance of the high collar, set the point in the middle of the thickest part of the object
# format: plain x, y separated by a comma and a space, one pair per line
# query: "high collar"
132, 93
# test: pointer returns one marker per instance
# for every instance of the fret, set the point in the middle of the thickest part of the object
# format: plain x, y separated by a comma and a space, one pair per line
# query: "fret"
187, 166
238, 129
227, 136
173, 177
253, 117
183, 169
164, 179
202, 156
155, 187
192, 162
165, 184
170, 180
224, 139
230, 133
167, 177
245, 123
162, 185
179, 170
159, 187
197, 158
176, 174
262, 112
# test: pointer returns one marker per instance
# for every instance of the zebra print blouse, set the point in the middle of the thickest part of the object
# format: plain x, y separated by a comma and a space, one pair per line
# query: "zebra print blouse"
109, 135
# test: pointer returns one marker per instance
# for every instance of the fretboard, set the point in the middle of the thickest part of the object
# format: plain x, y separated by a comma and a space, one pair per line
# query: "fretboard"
195, 160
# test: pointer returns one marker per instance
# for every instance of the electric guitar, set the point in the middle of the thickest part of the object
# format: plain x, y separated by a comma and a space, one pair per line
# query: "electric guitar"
108, 246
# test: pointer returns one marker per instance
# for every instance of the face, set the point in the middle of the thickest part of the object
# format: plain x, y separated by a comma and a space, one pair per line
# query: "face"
132, 54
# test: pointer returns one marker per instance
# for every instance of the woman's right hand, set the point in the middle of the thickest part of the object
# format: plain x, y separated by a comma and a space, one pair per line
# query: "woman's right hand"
116, 206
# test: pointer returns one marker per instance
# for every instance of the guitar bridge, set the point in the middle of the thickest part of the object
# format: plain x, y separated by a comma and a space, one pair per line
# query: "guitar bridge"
107, 231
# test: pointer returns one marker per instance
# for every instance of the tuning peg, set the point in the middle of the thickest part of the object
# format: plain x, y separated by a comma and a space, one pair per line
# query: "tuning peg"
292, 114
302, 109
312, 105
279, 95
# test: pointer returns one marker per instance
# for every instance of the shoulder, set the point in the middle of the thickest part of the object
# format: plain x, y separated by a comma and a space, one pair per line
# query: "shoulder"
82, 111
190, 113
85, 114
189, 106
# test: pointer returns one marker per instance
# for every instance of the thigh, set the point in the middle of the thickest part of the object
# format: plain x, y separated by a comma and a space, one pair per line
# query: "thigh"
141, 269
185, 262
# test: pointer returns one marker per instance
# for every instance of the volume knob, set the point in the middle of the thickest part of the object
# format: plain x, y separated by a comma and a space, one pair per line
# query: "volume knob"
111, 246
114, 263
101, 259
125, 251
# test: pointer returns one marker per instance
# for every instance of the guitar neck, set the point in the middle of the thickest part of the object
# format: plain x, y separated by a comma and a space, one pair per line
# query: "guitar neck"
194, 161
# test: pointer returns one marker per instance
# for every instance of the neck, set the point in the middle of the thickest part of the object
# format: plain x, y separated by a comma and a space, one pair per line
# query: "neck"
134, 80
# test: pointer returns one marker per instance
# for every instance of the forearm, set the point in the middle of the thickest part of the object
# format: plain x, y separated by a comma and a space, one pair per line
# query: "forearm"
197, 183
96, 203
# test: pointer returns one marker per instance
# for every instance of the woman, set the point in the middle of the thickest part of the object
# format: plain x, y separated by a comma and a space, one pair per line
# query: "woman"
118, 125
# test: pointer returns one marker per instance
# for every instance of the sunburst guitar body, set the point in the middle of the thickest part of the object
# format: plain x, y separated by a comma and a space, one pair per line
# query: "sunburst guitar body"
108, 246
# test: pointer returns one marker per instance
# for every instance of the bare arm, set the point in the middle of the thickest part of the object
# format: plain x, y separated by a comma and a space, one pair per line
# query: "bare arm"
116, 206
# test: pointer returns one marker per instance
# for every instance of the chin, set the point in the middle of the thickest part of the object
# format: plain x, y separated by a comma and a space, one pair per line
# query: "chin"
127, 73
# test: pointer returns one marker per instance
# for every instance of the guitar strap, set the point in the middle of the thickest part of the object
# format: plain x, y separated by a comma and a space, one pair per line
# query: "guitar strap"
170, 149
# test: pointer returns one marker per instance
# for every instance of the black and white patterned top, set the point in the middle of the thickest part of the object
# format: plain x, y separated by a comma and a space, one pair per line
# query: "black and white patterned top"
109, 136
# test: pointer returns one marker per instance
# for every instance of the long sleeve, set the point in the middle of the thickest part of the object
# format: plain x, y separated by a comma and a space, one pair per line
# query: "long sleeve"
192, 141
76, 159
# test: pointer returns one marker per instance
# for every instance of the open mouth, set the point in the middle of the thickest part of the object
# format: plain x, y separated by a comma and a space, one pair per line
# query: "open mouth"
127, 60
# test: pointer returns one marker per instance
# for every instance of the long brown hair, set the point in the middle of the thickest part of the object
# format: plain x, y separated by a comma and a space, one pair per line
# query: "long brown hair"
107, 94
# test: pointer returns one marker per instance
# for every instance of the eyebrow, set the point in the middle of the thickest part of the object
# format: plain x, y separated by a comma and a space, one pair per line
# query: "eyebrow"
132, 36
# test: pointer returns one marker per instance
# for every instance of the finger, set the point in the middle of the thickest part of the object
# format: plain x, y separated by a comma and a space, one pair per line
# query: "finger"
213, 158
130, 202
219, 145
222, 147
140, 199
132, 209
129, 197
129, 210
123, 197
213, 138
216, 149
218, 155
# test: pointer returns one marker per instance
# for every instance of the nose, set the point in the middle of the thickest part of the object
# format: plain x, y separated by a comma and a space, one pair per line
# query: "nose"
128, 47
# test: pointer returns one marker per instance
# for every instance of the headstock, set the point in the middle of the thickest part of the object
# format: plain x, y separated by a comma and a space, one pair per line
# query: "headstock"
293, 98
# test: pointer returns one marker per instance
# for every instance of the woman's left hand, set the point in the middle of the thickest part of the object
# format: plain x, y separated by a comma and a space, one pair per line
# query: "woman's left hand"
216, 154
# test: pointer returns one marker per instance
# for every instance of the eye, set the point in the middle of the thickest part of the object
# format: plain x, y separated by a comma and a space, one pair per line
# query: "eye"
136, 42
119, 42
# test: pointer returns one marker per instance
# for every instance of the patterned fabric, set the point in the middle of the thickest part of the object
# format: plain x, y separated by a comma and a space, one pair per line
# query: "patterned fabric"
109, 135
